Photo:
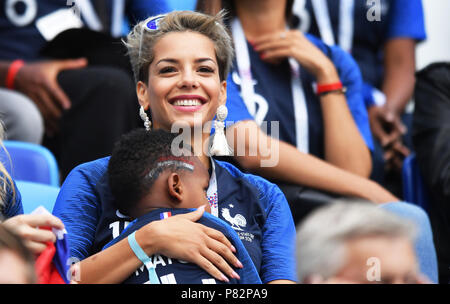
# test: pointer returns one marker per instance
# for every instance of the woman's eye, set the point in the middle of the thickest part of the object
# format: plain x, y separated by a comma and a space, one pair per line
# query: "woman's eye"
206, 70
168, 69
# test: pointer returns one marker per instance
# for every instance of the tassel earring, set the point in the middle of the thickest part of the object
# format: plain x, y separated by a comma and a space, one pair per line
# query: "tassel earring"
144, 117
219, 145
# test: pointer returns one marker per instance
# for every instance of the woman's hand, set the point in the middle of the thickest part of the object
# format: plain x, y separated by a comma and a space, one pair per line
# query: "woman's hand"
278, 46
27, 227
181, 238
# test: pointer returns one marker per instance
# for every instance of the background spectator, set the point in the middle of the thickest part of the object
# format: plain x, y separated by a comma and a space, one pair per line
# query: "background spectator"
361, 244
74, 73
381, 36
16, 261
431, 137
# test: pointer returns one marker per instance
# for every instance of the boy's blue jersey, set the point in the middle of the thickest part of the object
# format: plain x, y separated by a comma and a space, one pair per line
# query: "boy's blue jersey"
256, 209
174, 271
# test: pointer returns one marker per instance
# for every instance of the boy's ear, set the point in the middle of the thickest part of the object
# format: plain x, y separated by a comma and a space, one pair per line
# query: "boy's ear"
175, 187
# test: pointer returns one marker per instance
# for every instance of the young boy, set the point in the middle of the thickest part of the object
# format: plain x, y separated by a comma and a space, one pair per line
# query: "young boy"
149, 183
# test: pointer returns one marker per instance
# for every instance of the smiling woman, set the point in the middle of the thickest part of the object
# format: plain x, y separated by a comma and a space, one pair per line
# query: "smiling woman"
184, 80
181, 61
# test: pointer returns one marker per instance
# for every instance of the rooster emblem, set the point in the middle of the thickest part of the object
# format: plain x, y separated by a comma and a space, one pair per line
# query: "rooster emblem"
236, 222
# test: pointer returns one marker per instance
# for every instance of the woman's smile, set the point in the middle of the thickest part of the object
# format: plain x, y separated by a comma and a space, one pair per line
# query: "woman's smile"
184, 81
188, 103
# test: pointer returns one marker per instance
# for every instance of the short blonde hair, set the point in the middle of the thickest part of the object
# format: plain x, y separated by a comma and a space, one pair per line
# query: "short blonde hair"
140, 41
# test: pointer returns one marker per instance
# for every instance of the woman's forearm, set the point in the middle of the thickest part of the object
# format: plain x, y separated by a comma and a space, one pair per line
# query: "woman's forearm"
343, 144
293, 166
178, 237
110, 266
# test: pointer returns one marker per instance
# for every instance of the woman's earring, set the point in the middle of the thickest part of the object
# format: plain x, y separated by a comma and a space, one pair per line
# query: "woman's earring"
144, 117
219, 145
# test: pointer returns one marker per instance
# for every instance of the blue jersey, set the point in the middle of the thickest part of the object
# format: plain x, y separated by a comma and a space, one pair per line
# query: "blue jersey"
396, 19
12, 203
85, 205
179, 272
20, 37
273, 89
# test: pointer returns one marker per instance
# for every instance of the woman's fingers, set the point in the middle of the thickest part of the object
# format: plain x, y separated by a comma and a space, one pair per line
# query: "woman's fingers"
274, 44
195, 215
196, 243
206, 265
35, 247
42, 220
220, 244
26, 226
218, 262
275, 54
36, 234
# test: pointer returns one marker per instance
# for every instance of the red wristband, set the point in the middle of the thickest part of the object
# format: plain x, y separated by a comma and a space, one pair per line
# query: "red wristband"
15, 66
322, 88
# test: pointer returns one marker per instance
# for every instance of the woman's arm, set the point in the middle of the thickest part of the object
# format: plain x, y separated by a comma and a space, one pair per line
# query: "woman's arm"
278, 160
344, 146
177, 237
78, 206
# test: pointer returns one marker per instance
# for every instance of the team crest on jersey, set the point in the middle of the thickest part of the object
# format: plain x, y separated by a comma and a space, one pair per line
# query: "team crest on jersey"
237, 221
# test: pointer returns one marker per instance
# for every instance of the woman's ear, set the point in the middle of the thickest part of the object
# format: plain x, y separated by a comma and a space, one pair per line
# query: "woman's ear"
175, 187
223, 93
141, 91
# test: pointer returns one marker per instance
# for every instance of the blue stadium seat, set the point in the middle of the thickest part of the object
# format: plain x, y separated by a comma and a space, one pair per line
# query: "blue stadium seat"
30, 162
414, 189
37, 194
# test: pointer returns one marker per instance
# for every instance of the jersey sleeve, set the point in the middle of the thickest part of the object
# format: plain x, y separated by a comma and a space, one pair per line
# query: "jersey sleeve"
78, 206
406, 20
13, 201
278, 243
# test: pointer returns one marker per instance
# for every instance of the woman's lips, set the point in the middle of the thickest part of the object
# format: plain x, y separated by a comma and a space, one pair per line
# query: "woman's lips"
187, 103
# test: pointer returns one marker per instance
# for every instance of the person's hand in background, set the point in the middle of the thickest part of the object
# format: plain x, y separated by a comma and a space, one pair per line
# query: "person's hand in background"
27, 227
39, 82
388, 129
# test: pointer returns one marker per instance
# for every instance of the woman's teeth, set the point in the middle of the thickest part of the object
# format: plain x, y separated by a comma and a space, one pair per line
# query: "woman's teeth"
187, 102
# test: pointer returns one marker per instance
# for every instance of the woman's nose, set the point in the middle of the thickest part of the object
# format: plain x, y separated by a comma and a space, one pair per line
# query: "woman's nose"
188, 80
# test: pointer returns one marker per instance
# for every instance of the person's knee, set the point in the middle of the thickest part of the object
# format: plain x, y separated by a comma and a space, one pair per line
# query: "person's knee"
23, 120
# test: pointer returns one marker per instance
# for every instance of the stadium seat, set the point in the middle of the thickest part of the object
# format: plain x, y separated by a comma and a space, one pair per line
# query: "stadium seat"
37, 194
30, 162
414, 189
